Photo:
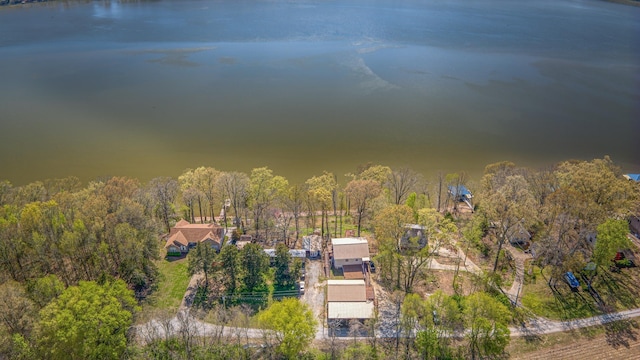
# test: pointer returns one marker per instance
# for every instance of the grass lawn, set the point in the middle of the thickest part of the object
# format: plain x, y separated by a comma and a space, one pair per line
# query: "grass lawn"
618, 291
172, 284
561, 305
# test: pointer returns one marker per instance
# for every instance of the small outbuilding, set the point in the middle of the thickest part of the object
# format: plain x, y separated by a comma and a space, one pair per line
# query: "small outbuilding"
312, 244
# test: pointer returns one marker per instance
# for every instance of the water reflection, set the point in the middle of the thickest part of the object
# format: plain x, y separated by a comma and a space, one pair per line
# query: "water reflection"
107, 9
152, 88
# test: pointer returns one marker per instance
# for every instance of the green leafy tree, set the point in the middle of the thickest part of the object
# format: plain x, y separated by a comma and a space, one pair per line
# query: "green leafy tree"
577, 197
443, 317
292, 324
487, 322
88, 321
190, 193
612, 237
377, 173
201, 260
282, 264
264, 189
361, 193
390, 226
43, 290
438, 231
229, 259
413, 309
507, 201
321, 190
428, 343
256, 265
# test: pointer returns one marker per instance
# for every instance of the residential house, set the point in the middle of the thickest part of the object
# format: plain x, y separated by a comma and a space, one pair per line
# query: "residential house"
414, 231
519, 236
460, 193
348, 299
184, 235
349, 251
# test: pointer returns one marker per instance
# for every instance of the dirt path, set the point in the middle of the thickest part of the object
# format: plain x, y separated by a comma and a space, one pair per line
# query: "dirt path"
190, 294
467, 266
518, 282
541, 326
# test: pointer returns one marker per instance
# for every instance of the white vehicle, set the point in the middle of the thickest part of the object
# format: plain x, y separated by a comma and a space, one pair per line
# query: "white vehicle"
301, 287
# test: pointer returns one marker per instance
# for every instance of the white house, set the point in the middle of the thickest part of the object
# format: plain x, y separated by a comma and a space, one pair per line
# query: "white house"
349, 251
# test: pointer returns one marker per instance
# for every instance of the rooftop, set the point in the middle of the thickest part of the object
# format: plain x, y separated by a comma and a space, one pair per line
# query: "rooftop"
346, 291
351, 251
348, 241
184, 233
350, 310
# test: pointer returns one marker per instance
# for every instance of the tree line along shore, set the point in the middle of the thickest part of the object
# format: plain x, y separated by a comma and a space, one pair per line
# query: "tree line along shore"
80, 264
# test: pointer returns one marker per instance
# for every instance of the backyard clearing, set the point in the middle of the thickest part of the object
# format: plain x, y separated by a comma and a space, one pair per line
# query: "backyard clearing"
172, 284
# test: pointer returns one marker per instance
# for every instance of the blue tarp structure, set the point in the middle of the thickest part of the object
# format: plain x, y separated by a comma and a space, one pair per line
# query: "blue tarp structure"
459, 191
634, 177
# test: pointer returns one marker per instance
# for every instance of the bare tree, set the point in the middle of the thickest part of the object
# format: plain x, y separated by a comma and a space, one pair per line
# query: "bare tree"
293, 203
164, 191
400, 183
235, 186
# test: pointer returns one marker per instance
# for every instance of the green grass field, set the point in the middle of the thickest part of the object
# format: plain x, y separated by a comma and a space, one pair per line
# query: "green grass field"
617, 291
172, 285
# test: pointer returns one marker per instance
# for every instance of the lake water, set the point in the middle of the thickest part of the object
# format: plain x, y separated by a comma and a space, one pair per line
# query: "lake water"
150, 88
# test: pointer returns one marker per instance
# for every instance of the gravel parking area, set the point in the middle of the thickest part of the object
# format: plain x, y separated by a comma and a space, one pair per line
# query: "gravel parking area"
314, 291
388, 312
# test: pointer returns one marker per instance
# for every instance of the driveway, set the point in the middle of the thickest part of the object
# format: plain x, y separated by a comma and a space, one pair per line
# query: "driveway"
518, 282
314, 291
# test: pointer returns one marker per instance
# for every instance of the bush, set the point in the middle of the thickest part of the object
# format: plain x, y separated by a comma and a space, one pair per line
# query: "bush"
623, 263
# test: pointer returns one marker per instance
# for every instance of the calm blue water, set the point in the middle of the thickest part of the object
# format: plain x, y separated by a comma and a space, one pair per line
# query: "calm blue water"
150, 88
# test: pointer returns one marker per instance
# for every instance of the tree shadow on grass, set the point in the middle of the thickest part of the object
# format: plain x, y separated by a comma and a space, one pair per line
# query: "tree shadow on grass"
573, 305
621, 289
620, 332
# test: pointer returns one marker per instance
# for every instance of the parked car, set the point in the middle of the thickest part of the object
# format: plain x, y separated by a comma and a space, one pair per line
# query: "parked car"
571, 280
372, 266
301, 287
